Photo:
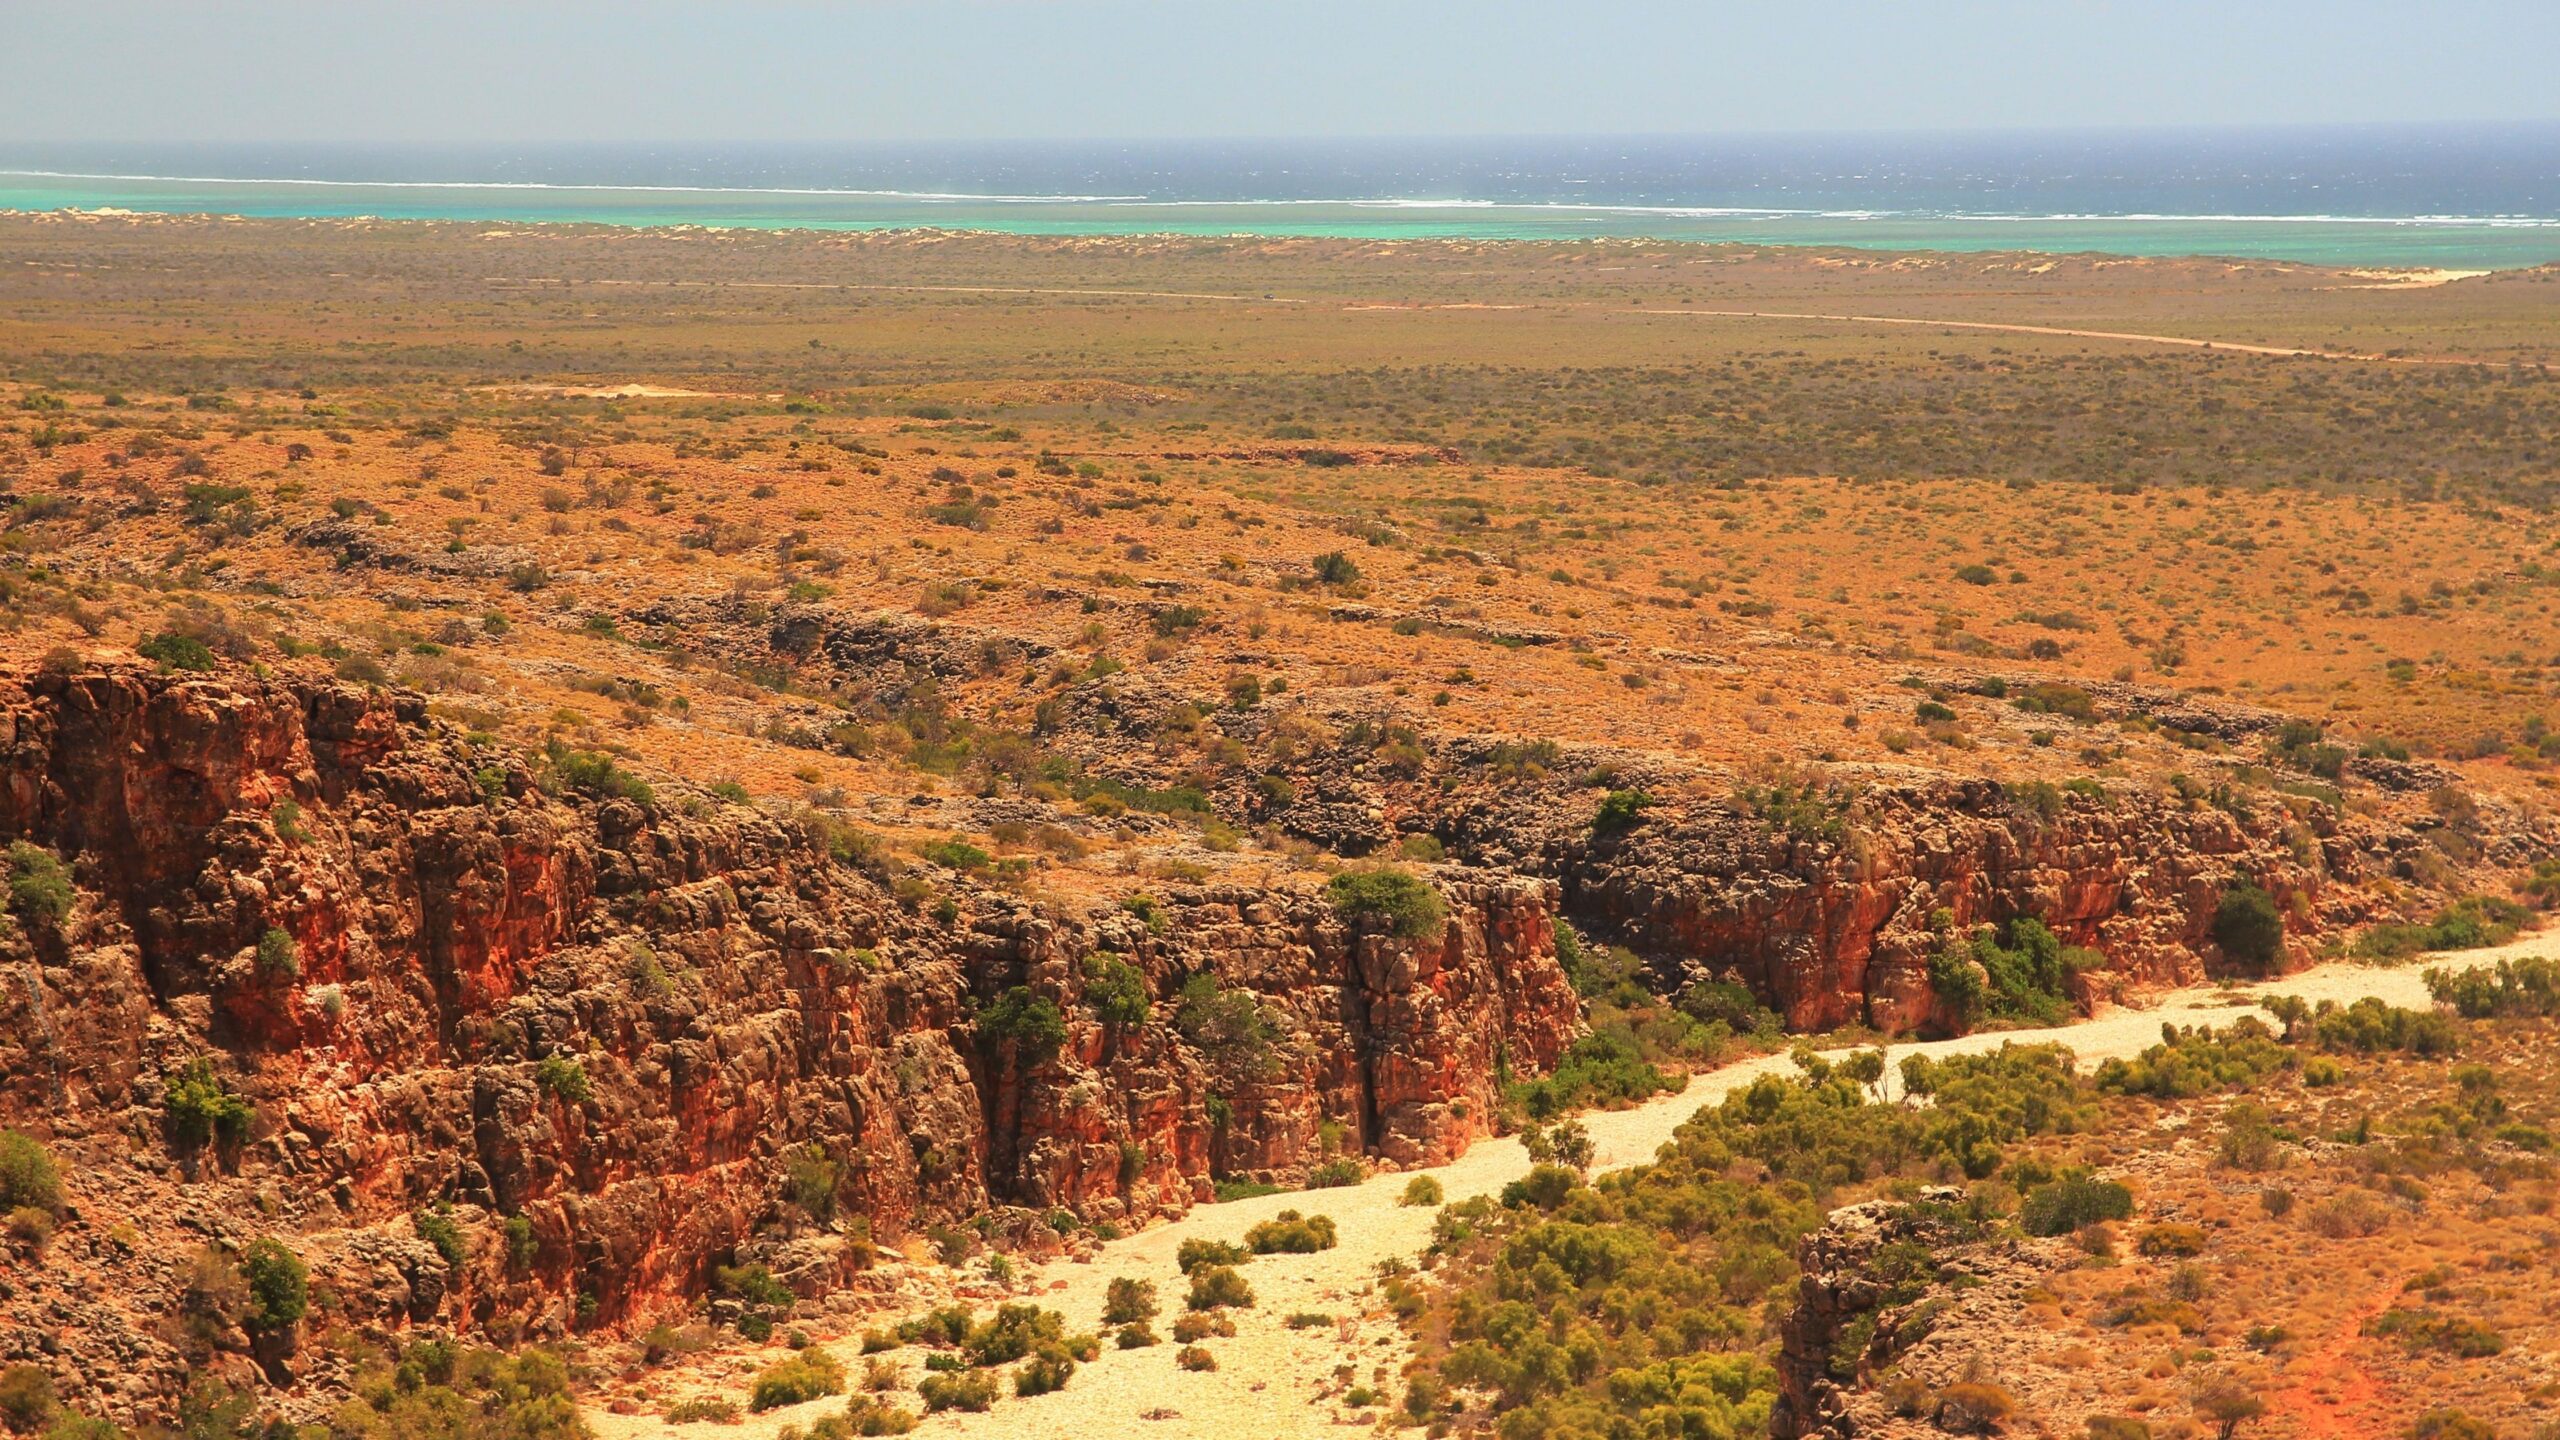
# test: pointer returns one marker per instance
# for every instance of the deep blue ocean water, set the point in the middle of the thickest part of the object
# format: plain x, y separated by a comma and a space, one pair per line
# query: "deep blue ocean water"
2457, 197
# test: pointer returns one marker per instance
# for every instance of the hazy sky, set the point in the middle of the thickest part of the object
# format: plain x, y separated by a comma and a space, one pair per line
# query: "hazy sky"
526, 70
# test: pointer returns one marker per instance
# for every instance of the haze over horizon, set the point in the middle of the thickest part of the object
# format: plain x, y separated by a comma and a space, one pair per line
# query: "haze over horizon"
477, 71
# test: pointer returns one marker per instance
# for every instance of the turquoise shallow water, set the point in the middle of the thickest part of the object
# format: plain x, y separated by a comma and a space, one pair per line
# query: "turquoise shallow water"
2445, 242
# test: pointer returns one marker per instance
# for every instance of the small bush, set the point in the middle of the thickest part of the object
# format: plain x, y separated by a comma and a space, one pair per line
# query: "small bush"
1116, 989
1192, 1357
2422, 1330
1421, 1190
1011, 1333
1190, 1255
27, 1402
28, 1175
2075, 1200
202, 1108
279, 957
1030, 1022
2170, 1239
967, 1390
174, 652
39, 885
1215, 1287
1201, 1325
809, 1179
1128, 1300
805, 1376
1137, 1335
2451, 1424
703, 1409
2248, 926
563, 1078
436, 1226
1337, 1172
869, 1415
1392, 900
279, 1286
1969, 1407
1047, 1370
1290, 1234
1619, 811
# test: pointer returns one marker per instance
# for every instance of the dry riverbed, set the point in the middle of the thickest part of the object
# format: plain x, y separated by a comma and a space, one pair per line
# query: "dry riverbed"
1275, 1381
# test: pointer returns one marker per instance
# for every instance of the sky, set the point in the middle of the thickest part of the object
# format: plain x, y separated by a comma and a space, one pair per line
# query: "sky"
528, 71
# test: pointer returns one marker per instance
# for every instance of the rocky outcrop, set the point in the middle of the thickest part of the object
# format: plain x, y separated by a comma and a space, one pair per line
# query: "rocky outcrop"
1830, 907
1894, 1284
595, 1030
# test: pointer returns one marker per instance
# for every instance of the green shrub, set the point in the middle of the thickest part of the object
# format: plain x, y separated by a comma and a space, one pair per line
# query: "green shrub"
1421, 1190
2451, 1424
172, 651
1336, 1173
1619, 811
436, 1226
40, 889
2018, 972
2422, 1330
1011, 1333
27, 1401
28, 1175
1190, 1255
2472, 923
522, 1243
279, 1286
1287, 1233
1193, 1357
1201, 1325
966, 1390
1116, 989
2196, 1060
1217, 1287
805, 1376
1229, 1025
2248, 926
1137, 1335
1388, 899
1047, 1370
590, 773
702, 1409
1605, 1068
563, 1078
1029, 1022
2369, 1026
1127, 1300
2516, 989
809, 1180
201, 1108
278, 956
2075, 1200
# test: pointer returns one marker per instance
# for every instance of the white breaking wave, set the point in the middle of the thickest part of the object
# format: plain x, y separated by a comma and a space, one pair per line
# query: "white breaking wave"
1418, 203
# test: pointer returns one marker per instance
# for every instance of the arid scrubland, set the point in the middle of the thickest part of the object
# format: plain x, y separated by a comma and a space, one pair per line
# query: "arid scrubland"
624, 796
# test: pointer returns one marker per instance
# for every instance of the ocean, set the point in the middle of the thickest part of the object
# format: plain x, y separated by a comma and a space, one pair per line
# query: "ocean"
2467, 198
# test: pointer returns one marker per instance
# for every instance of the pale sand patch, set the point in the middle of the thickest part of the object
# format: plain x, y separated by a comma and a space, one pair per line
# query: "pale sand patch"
2405, 279
1270, 1379
625, 392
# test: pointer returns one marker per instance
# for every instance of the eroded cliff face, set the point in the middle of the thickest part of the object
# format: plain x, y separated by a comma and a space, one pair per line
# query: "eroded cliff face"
615, 1023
